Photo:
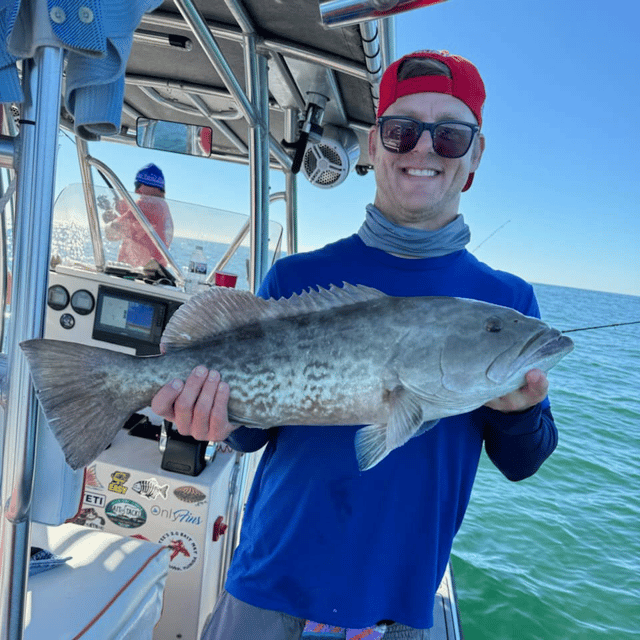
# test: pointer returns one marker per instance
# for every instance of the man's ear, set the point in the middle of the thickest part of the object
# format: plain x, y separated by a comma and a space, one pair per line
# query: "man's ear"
373, 142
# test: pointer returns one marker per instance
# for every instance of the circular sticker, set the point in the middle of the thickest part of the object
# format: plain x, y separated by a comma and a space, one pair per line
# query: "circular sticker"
184, 550
126, 513
189, 494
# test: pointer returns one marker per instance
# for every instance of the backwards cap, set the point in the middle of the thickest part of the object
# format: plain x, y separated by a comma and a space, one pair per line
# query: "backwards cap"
465, 84
151, 175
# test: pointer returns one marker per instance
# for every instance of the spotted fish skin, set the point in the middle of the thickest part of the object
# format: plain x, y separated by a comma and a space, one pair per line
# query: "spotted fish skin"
349, 355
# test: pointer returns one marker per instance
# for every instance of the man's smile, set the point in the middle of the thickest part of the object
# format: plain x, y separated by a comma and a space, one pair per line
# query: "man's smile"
420, 173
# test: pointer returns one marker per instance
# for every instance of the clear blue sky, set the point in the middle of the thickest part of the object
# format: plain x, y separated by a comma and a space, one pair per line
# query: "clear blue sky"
561, 168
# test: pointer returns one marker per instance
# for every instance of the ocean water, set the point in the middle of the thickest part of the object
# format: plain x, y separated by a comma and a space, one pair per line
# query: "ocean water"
557, 556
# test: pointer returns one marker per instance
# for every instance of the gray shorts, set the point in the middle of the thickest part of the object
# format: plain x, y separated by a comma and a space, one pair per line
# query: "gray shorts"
233, 619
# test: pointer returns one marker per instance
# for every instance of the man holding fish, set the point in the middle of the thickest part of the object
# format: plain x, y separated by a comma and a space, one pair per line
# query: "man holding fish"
321, 539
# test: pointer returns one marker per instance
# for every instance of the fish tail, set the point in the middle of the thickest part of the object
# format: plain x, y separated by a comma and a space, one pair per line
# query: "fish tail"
84, 408
371, 445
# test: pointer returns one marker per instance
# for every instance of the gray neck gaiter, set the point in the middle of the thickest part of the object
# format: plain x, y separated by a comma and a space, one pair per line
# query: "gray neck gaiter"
378, 232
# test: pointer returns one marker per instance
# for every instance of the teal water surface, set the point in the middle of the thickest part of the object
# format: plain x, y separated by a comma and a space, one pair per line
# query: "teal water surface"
557, 556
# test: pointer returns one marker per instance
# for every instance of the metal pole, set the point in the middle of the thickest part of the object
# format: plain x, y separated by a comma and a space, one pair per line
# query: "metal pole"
90, 202
387, 31
8, 156
257, 82
291, 186
201, 32
6, 196
36, 180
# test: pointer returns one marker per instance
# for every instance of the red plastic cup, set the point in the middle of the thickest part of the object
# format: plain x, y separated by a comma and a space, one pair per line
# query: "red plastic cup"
226, 279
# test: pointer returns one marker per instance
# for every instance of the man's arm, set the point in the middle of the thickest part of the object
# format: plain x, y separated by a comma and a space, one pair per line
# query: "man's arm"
118, 224
518, 443
519, 433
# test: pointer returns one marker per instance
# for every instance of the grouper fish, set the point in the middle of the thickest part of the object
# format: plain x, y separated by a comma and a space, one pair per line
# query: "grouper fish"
346, 355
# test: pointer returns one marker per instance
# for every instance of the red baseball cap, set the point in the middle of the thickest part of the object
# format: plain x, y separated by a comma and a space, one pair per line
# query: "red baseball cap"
465, 84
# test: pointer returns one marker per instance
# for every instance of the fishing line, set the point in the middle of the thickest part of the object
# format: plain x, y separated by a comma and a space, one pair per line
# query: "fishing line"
602, 326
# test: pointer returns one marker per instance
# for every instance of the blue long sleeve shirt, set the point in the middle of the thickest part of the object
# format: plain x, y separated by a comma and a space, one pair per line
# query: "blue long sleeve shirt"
322, 540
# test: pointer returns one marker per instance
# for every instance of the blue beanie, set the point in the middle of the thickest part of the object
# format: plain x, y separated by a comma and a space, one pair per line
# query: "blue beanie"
151, 176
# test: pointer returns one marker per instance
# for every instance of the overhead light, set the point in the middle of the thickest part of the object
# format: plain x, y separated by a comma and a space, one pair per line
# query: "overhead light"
343, 13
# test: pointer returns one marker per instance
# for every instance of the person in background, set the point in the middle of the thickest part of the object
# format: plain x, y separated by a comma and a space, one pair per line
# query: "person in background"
137, 248
321, 540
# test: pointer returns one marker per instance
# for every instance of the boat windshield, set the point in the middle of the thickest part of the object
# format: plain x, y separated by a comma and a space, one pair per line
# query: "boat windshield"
223, 235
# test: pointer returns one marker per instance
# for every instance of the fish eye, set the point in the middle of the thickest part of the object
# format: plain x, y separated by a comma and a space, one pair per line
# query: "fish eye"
493, 325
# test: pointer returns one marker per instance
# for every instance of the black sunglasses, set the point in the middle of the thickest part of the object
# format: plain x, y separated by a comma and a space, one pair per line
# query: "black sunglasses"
400, 134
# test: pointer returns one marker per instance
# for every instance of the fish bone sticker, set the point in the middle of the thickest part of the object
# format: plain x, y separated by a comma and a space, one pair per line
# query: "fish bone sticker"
151, 488
348, 355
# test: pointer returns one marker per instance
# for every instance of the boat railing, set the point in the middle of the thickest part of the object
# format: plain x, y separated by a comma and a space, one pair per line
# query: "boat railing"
42, 79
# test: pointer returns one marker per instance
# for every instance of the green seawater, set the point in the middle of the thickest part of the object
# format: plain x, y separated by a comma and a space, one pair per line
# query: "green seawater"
557, 556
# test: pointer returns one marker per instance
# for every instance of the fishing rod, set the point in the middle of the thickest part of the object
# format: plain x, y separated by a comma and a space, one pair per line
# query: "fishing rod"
504, 224
602, 326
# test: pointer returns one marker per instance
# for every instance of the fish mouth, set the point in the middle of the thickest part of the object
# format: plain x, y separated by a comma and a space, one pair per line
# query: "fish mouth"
551, 346
542, 351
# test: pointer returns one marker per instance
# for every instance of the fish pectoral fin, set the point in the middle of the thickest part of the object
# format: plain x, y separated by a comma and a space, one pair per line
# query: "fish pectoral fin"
371, 445
375, 442
406, 417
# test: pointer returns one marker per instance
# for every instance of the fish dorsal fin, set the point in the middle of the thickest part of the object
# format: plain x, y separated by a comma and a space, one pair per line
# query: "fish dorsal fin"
222, 309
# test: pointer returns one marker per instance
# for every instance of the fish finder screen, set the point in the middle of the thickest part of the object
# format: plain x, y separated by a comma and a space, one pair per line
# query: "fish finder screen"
139, 318
129, 319
126, 315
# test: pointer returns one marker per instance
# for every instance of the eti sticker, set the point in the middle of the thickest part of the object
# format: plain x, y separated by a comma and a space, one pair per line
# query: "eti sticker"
94, 499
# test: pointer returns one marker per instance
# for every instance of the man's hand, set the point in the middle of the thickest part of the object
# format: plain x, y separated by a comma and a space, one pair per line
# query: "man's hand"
103, 202
109, 216
198, 407
533, 391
